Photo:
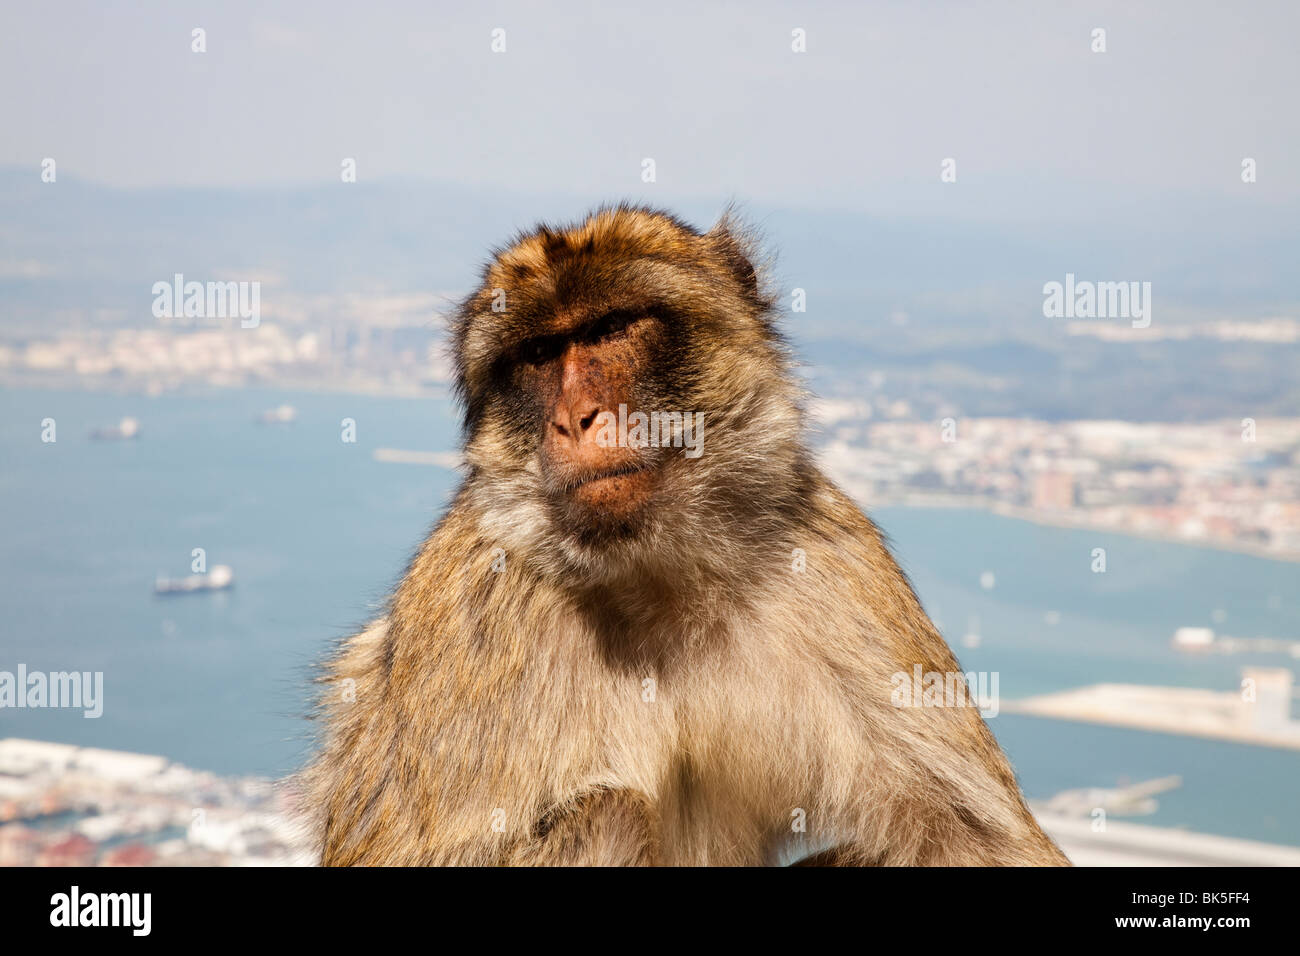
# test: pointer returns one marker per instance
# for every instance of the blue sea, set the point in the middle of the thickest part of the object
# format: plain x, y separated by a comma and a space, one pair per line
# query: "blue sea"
318, 531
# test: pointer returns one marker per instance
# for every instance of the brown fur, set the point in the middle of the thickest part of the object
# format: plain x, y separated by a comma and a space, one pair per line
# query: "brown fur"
503, 718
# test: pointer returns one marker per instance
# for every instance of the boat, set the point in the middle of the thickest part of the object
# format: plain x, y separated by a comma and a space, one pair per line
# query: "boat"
280, 415
127, 428
220, 578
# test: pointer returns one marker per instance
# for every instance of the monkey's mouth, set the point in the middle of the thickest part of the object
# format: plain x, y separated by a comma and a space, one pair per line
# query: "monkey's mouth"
613, 494
609, 474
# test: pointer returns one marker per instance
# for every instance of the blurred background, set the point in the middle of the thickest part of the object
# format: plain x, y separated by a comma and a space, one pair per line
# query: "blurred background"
1101, 509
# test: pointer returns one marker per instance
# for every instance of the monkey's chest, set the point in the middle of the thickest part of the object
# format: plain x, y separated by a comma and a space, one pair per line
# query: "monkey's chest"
731, 761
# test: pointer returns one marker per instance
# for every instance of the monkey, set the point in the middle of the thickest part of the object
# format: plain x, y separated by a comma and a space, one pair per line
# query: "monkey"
611, 652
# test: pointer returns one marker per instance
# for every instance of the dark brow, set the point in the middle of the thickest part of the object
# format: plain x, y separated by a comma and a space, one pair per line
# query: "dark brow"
548, 346
594, 329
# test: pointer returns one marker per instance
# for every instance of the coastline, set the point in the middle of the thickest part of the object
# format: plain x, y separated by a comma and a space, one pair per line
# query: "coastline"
1063, 706
1049, 520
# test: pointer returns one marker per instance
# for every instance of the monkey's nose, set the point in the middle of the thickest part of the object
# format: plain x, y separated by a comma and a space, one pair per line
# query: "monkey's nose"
574, 422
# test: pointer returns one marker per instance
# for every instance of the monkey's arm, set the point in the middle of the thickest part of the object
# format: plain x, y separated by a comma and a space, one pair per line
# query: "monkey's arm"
600, 827
439, 751
947, 795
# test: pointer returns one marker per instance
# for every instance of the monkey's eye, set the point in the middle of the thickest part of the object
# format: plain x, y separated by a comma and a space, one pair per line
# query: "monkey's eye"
540, 350
608, 326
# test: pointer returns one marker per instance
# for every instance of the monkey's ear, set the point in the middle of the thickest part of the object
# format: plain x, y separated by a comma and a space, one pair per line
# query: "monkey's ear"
734, 247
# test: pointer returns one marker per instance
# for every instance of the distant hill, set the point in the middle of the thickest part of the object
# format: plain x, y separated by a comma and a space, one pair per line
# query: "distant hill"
950, 309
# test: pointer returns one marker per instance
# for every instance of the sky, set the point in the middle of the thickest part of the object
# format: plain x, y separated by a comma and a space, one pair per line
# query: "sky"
1038, 123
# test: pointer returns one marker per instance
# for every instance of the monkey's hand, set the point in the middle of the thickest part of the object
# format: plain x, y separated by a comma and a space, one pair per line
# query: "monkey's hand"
598, 827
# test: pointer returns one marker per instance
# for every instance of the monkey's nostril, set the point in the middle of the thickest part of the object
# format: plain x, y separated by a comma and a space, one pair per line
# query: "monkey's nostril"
587, 419
561, 429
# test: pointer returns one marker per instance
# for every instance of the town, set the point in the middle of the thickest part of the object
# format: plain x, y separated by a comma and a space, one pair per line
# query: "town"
63, 805
1223, 484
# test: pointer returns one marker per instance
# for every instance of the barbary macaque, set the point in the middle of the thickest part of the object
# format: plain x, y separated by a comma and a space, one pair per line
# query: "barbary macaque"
612, 652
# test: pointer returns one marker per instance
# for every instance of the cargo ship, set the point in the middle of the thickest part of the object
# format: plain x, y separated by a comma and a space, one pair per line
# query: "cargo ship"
126, 428
220, 578
280, 415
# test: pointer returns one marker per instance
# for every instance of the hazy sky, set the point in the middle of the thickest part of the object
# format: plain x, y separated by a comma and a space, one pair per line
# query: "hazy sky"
711, 91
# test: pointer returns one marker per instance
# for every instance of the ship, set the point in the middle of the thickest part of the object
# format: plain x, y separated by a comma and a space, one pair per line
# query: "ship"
1202, 640
220, 578
280, 415
126, 428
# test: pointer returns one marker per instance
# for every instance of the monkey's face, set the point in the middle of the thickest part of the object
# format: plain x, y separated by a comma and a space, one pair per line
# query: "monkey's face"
611, 374
566, 405
584, 379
